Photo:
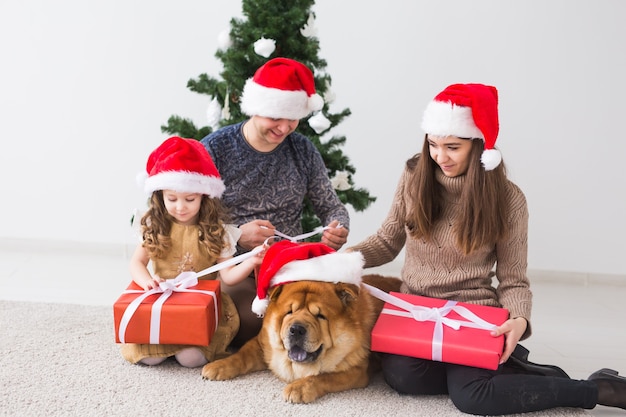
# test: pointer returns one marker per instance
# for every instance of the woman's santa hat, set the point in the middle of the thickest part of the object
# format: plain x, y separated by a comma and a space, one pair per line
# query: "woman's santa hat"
466, 111
287, 261
281, 89
182, 165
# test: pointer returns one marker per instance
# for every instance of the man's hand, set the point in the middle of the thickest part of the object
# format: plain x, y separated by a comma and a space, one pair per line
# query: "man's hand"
335, 235
254, 233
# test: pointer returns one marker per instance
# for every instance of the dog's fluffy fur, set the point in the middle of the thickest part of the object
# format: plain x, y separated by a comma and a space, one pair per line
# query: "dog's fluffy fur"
315, 336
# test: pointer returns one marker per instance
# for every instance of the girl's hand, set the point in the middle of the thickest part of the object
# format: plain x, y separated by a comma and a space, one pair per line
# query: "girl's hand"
148, 283
513, 330
257, 259
232, 275
139, 270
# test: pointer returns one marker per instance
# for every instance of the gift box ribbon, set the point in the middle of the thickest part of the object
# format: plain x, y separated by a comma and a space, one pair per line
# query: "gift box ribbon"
181, 283
296, 238
434, 314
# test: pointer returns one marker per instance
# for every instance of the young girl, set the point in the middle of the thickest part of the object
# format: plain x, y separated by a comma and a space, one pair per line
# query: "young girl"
459, 216
184, 229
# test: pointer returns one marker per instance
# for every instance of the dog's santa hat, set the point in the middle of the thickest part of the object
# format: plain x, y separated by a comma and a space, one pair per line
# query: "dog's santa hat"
287, 261
281, 89
466, 111
182, 165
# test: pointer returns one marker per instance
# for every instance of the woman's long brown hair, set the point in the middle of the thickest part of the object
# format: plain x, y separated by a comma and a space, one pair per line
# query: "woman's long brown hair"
483, 200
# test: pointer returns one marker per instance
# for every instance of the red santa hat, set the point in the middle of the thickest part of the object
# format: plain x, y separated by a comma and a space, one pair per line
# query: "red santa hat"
182, 165
287, 261
281, 89
466, 111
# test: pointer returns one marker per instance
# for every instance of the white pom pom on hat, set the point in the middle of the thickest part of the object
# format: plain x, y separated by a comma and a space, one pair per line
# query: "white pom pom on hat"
281, 89
287, 261
182, 165
466, 111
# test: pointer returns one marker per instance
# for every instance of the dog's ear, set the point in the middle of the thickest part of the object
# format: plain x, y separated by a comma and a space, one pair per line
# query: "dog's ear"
347, 293
274, 292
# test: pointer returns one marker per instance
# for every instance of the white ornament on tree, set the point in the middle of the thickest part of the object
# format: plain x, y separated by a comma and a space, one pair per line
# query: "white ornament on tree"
214, 113
309, 30
264, 47
224, 40
329, 95
319, 122
341, 181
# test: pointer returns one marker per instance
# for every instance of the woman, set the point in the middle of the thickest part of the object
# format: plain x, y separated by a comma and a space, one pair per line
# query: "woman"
459, 216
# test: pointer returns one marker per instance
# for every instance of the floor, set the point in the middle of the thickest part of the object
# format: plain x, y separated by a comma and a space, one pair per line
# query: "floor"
578, 323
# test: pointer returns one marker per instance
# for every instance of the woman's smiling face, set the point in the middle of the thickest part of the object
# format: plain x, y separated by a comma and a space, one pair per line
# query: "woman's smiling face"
450, 153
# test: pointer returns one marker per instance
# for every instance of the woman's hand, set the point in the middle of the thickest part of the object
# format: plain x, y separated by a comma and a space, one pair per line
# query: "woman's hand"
513, 330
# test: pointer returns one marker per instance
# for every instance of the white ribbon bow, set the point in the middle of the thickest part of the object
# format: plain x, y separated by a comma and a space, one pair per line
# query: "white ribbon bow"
434, 314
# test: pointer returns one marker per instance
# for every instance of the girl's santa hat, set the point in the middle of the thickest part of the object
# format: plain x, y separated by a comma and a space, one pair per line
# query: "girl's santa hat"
287, 261
281, 89
182, 165
466, 111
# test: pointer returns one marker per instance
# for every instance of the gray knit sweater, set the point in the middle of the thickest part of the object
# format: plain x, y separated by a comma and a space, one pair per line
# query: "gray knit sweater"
273, 185
438, 269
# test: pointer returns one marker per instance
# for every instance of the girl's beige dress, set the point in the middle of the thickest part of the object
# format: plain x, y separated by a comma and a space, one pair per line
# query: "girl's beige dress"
185, 255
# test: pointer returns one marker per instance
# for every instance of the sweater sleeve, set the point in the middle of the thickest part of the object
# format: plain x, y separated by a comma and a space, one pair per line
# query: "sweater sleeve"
513, 284
384, 245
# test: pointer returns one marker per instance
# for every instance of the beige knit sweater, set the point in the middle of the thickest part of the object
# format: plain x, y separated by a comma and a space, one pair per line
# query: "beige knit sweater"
438, 269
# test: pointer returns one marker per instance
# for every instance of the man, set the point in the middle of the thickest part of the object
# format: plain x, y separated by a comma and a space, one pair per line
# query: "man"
269, 169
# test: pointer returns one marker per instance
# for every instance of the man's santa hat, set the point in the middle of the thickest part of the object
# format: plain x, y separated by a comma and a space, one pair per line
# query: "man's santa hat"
281, 89
182, 165
466, 111
287, 261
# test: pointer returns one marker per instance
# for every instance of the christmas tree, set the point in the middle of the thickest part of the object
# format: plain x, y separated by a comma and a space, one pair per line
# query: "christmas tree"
270, 29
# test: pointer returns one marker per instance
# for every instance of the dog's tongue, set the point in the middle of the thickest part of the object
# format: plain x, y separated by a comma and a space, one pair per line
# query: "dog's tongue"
297, 354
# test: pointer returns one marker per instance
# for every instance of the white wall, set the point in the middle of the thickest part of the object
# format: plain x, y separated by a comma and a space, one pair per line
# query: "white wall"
85, 87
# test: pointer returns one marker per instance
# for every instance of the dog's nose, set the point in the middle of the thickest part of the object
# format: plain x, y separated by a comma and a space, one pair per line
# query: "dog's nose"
297, 331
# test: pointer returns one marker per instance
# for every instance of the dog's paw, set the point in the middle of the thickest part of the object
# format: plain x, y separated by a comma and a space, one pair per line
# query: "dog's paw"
301, 391
218, 371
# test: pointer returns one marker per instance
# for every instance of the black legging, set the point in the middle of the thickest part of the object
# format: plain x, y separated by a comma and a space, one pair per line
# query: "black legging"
486, 392
243, 294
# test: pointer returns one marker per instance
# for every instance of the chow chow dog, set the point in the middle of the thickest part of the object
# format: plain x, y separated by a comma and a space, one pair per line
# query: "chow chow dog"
315, 337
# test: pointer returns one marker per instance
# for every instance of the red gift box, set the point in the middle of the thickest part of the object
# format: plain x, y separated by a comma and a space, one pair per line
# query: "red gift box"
425, 328
186, 313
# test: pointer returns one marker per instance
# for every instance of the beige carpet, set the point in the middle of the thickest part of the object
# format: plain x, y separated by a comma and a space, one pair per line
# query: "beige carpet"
62, 360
